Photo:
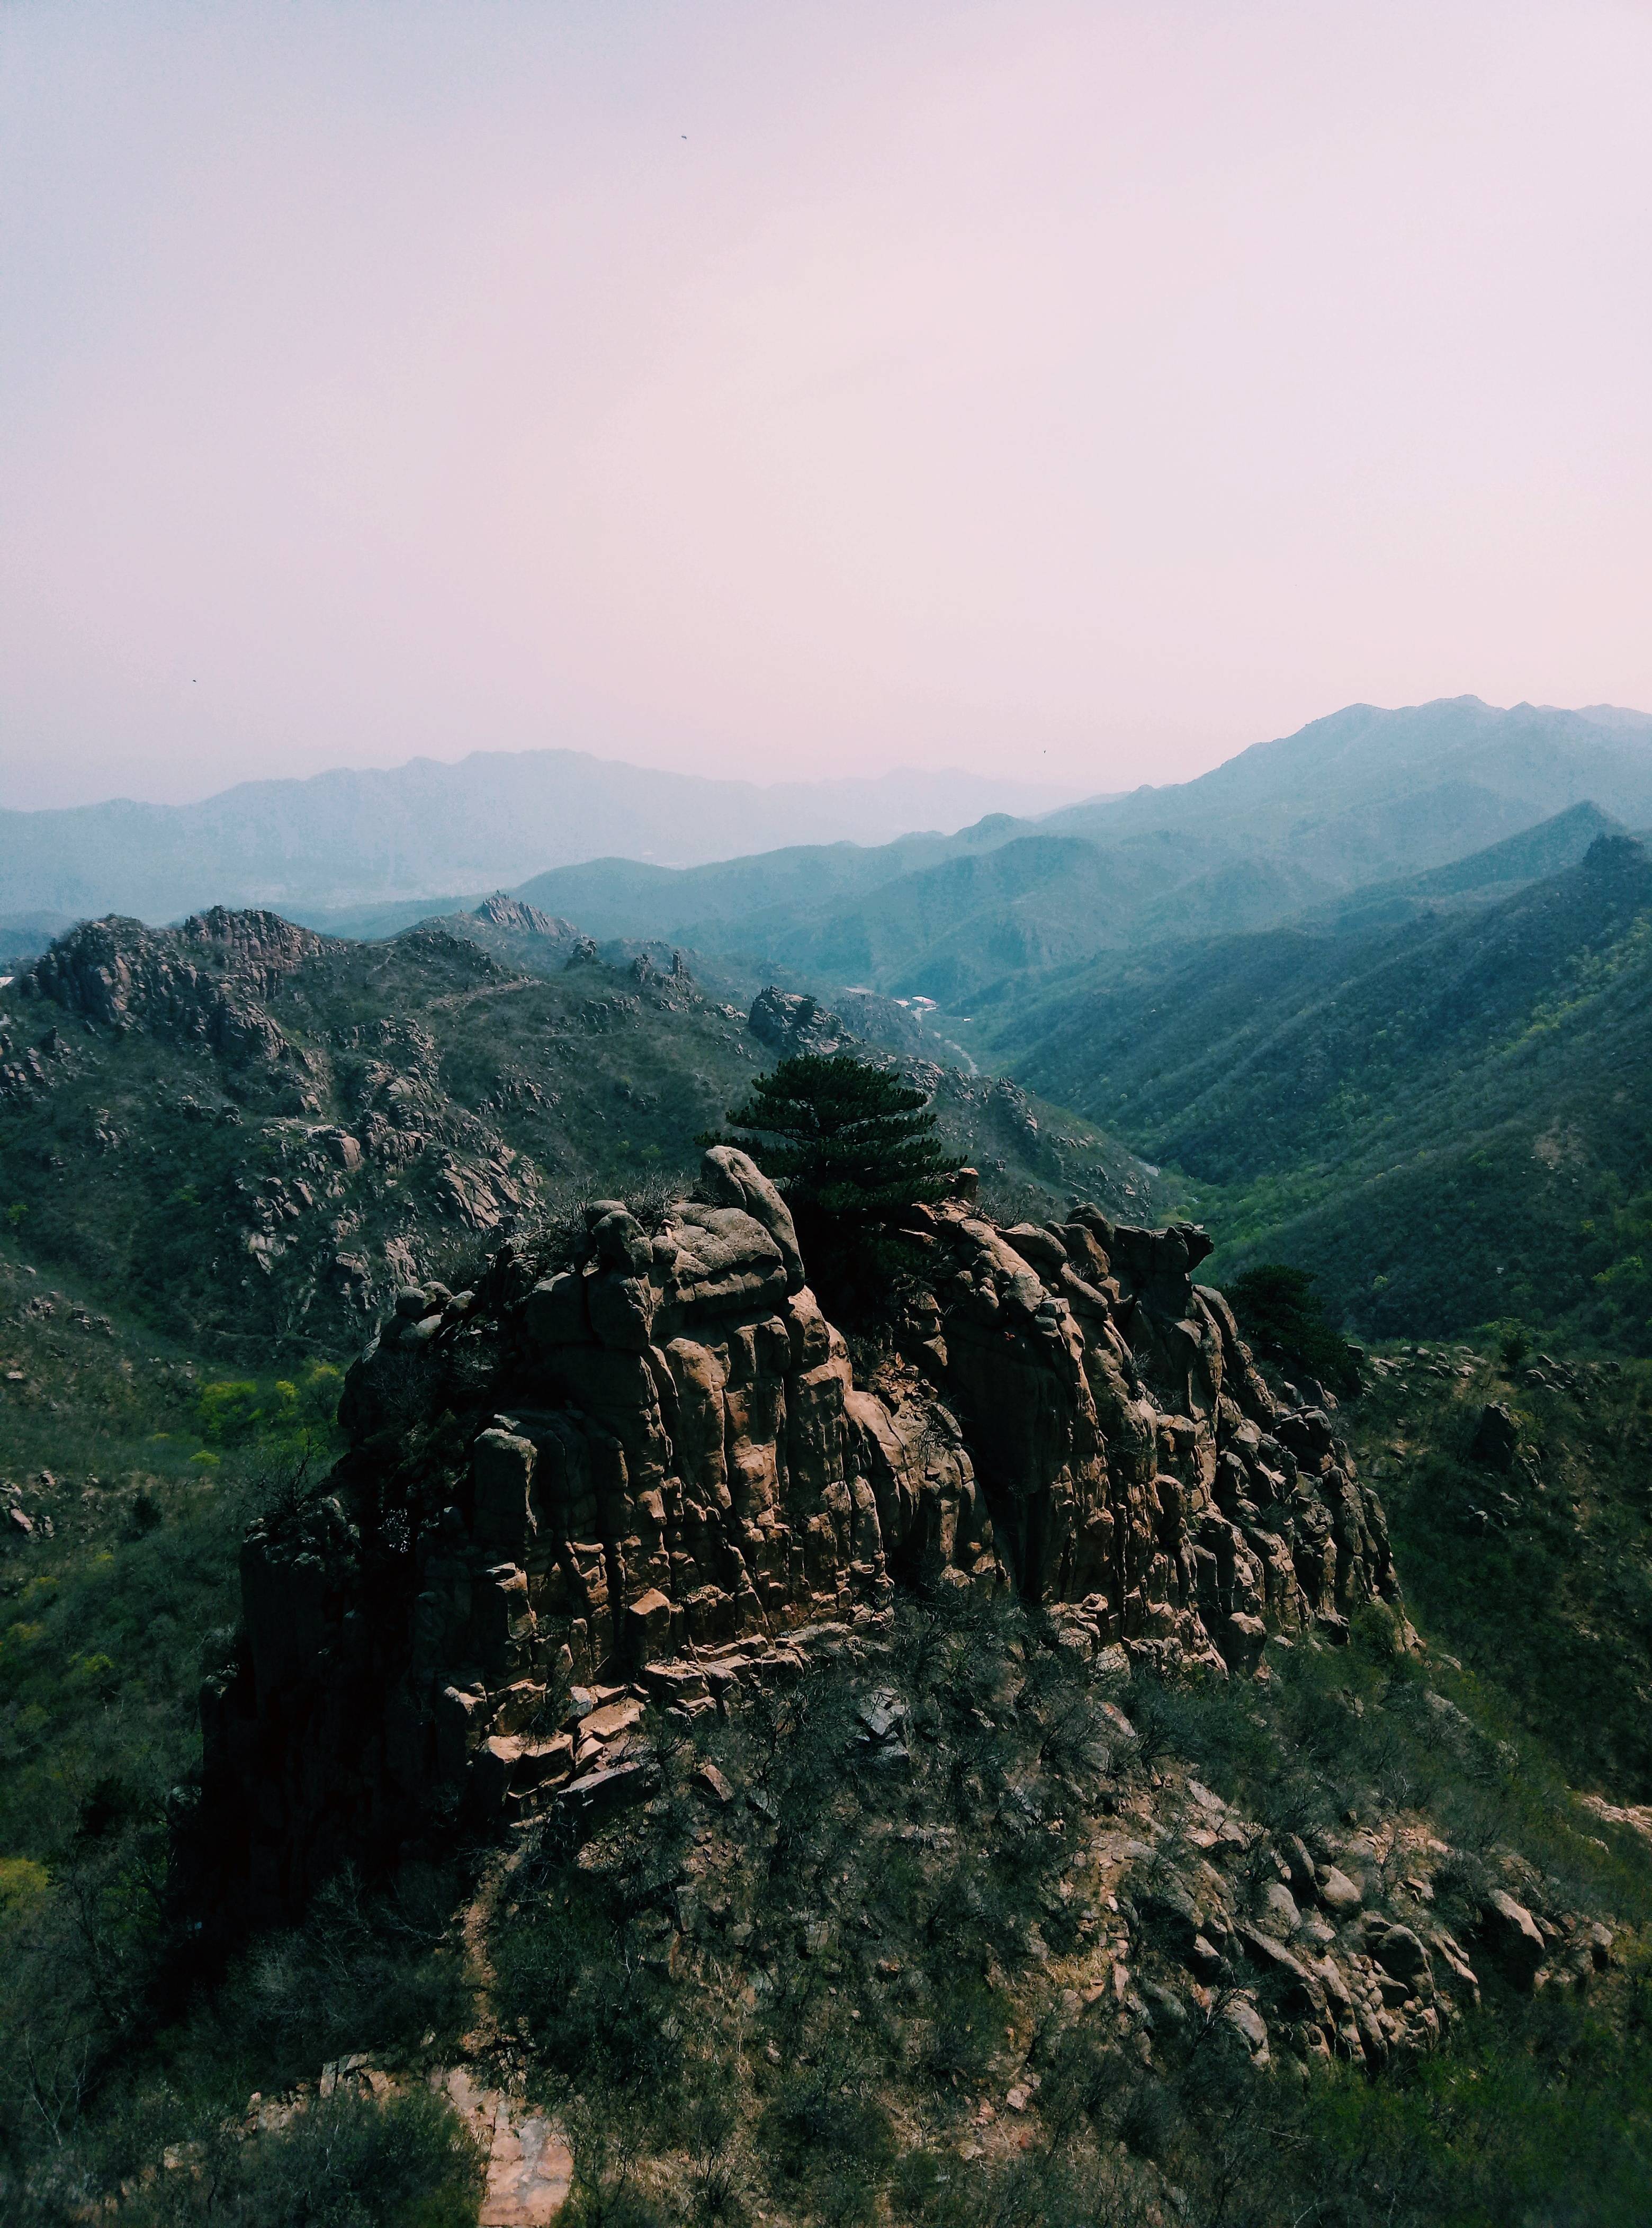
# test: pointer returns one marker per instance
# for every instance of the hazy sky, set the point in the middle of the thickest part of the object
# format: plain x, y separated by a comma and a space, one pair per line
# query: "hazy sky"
776, 389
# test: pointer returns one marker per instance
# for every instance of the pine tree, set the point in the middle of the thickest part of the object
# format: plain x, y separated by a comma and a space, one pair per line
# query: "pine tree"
1284, 1320
842, 1139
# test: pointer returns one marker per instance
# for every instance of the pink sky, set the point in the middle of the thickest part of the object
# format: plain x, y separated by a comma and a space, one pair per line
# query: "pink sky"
1084, 391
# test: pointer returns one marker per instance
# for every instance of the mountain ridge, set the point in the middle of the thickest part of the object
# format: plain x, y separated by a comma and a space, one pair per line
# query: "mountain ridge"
1272, 833
430, 828
1537, 760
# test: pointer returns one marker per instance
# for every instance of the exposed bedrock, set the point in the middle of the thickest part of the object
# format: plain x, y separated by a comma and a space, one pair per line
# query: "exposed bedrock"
638, 1472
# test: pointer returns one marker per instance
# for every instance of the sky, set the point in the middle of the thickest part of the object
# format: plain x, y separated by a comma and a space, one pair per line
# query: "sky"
1082, 392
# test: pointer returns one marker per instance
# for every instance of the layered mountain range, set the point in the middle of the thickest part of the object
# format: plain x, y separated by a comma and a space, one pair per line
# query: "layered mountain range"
430, 828
1353, 1036
1363, 797
677, 1760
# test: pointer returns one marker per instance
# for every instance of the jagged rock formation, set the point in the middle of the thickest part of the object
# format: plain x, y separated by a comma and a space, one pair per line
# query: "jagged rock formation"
790, 1022
503, 911
202, 980
646, 1463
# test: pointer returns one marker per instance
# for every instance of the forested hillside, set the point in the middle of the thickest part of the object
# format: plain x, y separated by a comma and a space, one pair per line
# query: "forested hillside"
1447, 1119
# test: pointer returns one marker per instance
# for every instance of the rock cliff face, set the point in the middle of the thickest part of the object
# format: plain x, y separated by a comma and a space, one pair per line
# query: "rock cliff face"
646, 1469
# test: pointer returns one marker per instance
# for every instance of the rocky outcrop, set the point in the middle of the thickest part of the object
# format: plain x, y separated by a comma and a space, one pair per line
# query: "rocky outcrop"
637, 1469
790, 1022
202, 980
1496, 1437
503, 911
1135, 1461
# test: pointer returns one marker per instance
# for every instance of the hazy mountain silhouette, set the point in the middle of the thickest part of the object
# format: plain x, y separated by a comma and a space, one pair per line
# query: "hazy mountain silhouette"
1364, 797
1365, 793
428, 830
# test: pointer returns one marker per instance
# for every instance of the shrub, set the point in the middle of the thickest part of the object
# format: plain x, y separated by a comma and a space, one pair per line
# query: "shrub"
349, 2162
229, 1413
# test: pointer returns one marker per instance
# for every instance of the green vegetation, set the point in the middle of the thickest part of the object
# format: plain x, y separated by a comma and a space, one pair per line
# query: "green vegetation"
214, 1191
1445, 1119
852, 1147
843, 1140
350, 2162
1540, 1578
974, 918
1282, 1321
808, 1990
796, 2005
112, 1604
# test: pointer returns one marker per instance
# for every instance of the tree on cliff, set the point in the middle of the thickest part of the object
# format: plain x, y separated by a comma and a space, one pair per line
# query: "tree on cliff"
1284, 1320
851, 1147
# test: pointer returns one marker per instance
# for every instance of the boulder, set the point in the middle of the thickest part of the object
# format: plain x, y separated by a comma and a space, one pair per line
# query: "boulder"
648, 1628
731, 1178
1403, 1958
556, 1311
502, 1466
1279, 1915
1248, 2024
1511, 1935
1496, 1437
1337, 1892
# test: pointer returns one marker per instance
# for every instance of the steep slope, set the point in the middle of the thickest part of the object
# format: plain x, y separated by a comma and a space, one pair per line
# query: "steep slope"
951, 931
738, 900
1476, 879
1449, 1120
255, 1131
940, 918
1368, 793
427, 828
1528, 1548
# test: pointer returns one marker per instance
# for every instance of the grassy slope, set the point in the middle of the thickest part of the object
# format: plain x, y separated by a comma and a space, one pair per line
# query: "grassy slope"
1541, 1579
140, 1471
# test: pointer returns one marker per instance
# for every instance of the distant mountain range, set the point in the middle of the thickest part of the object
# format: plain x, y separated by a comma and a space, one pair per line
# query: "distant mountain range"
427, 830
1364, 793
1363, 798
788, 869
1377, 991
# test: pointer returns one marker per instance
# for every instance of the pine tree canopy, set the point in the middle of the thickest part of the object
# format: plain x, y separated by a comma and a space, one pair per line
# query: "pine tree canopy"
842, 1138
1281, 1315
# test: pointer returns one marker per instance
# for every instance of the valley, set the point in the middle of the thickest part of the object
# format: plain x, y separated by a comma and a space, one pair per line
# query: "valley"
256, 1133
509, 1710
825, 1204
